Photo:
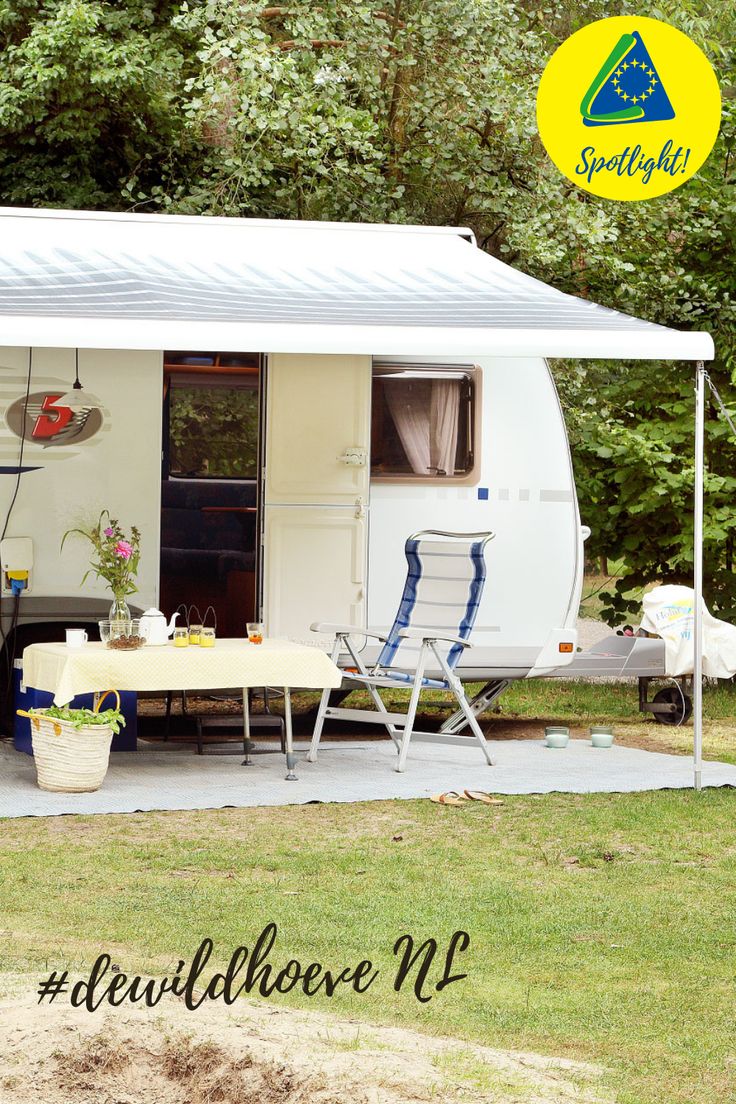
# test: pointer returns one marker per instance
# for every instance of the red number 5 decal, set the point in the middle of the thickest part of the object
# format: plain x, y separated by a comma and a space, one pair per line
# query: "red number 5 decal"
52, 419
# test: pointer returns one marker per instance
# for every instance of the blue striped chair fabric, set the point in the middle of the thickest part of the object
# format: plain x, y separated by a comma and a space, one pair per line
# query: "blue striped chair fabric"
438, 608
442, 593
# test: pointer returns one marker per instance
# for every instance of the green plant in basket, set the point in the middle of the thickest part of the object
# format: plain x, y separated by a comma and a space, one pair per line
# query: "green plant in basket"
80, 718
71, 747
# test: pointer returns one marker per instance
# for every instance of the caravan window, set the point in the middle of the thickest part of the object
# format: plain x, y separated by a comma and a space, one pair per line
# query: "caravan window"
213, 425
424, 423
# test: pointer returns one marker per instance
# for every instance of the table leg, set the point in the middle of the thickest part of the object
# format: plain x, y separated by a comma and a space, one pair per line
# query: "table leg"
247, 762
290, 756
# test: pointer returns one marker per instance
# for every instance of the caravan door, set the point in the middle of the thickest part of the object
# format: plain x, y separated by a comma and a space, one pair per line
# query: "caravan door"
315, 491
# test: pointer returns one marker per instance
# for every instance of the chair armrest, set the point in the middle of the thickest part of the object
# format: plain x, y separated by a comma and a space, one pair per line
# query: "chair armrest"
427, 634
345, 630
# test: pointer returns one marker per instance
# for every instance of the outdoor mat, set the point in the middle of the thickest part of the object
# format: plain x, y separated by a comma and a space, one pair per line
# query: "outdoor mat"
173, 777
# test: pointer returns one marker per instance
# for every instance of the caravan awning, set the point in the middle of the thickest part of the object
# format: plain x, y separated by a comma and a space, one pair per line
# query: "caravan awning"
98, 280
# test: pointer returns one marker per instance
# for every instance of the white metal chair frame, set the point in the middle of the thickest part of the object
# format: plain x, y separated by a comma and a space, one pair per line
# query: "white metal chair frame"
400, 726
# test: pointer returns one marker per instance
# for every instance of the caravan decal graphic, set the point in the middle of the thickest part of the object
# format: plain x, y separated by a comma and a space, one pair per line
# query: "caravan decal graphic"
643, 72
49, 424
51, 431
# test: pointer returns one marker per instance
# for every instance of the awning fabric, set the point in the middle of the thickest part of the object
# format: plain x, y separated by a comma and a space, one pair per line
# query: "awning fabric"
99, 280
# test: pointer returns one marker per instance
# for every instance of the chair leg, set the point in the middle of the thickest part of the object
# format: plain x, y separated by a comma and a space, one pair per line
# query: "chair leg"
412, 710
467, 710
472, 720
373, 694
392, 730
324, 701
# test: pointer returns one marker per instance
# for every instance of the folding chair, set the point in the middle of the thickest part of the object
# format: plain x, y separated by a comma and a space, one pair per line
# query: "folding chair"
438, 608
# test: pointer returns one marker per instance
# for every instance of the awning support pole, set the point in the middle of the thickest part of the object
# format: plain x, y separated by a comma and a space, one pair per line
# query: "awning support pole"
698, 575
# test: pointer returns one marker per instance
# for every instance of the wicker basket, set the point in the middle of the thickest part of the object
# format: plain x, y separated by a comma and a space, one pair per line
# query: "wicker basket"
69, 759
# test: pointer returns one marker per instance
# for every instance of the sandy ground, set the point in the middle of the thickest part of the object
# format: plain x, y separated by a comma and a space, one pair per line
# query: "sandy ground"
259, 1052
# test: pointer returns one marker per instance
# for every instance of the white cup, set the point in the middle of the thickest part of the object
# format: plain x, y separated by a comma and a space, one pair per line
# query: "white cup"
76, 638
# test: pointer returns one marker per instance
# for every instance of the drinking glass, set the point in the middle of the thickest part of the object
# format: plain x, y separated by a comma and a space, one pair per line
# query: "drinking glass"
255, 632
206, 637
181, 638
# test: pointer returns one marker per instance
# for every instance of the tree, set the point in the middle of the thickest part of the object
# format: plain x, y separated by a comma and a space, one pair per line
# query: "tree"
427, 114
408, 112
632, 425
90, 94
632, 431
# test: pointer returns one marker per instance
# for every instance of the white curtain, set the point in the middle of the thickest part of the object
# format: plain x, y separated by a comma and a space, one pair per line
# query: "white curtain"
426, 414
444, 421
409, 401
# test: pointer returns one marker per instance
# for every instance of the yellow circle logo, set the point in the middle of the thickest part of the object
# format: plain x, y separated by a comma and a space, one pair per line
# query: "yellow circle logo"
628, 108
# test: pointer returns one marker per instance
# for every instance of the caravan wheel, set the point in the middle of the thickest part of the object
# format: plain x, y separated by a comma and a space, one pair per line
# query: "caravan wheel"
673, 695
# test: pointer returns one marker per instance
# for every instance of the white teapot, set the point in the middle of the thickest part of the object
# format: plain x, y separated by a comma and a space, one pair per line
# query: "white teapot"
154, 627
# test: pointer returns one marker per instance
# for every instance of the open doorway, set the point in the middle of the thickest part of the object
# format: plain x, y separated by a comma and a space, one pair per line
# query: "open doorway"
209, 492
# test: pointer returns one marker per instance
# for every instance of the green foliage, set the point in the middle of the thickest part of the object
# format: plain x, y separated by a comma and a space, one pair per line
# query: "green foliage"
411, 112
342, 111
228, 447
89, 95
81, 718
631, 428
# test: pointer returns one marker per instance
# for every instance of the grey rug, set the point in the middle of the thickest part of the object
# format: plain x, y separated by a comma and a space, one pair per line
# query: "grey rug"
173, 777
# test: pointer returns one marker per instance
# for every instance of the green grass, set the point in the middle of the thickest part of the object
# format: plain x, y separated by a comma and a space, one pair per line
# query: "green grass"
497, 1087
541, 699
583, 702
602, 926
580, 704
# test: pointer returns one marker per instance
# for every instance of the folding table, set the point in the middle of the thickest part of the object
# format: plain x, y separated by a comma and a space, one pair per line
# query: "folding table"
94, 668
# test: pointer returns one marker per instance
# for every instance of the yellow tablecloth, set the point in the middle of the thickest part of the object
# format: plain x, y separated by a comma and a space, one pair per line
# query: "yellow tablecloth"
66, 672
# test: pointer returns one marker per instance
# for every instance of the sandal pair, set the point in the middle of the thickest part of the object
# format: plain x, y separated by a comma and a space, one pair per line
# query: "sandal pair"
452, 797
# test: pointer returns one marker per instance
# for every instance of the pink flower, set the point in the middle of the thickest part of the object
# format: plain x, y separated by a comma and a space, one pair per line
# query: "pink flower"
109, 531
124, 548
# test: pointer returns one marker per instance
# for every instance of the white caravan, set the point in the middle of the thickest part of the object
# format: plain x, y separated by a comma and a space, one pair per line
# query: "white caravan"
277, 406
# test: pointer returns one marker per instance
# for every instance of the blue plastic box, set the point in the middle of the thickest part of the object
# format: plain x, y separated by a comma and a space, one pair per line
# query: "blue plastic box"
26, 697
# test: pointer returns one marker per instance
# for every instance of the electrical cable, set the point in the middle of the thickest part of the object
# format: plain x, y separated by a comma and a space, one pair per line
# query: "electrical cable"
682, 701
22, 446
10, 659
10, 656
720, 403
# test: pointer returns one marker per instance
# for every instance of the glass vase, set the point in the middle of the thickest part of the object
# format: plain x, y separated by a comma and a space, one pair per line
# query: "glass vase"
119, 610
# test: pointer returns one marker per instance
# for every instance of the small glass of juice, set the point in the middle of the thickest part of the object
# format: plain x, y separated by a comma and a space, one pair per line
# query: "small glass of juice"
255, 632
207, 638
181, 638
